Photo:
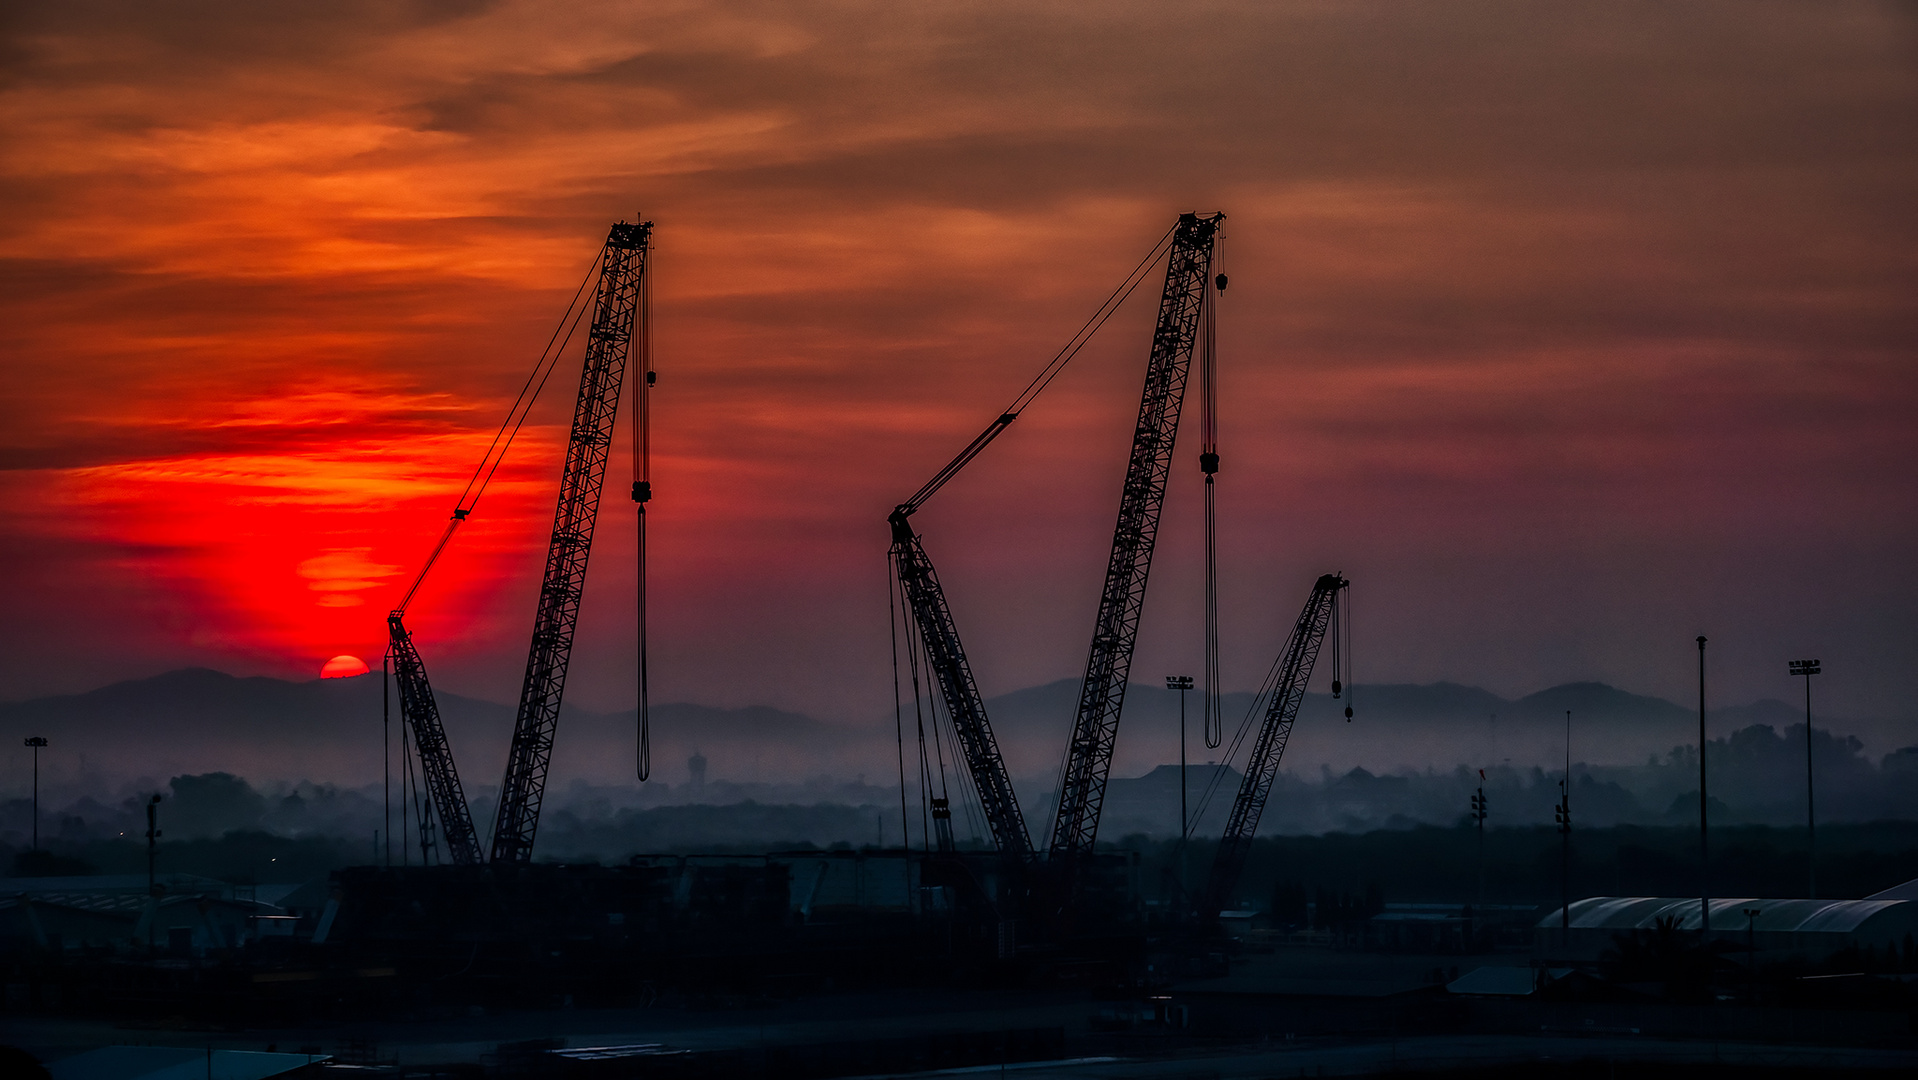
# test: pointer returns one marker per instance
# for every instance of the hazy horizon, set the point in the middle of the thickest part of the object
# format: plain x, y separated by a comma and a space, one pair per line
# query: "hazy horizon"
330, 731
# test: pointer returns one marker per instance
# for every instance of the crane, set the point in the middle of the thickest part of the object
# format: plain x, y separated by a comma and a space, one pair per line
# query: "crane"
620, 264
421, 711
938, 634
1286, 684
946, 657
1088, 760
609, 345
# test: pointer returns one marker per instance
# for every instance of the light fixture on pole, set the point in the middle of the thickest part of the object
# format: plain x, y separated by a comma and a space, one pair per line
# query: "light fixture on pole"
35, 742
1808, 668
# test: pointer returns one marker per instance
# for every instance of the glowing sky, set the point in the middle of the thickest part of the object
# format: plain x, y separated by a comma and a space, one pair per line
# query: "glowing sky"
1567, 331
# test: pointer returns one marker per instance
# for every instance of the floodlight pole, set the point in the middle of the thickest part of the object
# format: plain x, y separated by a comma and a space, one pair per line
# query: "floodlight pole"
1808, 668
1181, 683
386, 755
35, 742
1565, 842
1704, 851
153, 845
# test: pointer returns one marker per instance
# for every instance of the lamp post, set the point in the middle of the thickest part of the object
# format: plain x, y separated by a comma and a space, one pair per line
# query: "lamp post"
1478, 816
35, 743
1704, 831
1181, 683
1565, 842
1751, 949
153, 844
1808, 668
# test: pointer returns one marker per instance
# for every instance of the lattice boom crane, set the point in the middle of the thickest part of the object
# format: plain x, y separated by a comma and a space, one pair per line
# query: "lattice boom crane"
947, 658
609, 346
421, 711
1290, 675
1188, 281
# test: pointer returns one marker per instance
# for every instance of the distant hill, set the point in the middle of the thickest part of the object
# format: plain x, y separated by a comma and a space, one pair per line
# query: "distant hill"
199, 721
1401, 725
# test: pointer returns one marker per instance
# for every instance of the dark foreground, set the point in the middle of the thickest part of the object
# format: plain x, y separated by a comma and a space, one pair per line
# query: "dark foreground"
1293, 1012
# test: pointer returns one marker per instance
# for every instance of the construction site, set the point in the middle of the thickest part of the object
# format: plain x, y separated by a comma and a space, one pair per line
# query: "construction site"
461, 951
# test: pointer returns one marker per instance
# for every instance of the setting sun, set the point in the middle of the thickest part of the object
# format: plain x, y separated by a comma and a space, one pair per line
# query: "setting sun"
343, 667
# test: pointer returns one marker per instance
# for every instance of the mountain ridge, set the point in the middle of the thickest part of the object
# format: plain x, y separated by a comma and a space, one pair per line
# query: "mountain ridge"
198, 720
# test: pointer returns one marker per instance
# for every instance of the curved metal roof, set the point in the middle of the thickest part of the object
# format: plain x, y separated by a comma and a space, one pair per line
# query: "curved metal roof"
1618, 913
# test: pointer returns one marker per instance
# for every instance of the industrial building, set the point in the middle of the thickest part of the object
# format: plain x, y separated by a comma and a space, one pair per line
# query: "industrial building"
1814, 928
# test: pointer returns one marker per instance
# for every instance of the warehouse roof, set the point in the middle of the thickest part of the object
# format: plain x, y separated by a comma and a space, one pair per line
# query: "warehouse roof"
1617, 913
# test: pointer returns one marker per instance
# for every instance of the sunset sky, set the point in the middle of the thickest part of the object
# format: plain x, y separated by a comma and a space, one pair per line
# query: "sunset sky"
1568, 332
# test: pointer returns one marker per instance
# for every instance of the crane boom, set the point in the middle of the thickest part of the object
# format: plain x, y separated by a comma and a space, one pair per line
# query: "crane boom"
1109, 662
947, 658
608, 346
1292, 672
419, 709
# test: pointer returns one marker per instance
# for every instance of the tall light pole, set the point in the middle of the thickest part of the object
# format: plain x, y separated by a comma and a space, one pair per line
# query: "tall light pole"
1181, 683
1704, 851
1808, 668
386, 752
1565, 842
36, 742
153, 846
1478, 815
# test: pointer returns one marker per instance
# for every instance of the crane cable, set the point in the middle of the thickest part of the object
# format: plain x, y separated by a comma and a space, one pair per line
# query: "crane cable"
1044, 379
509, 428
1341, 628
898, 713
1342, 648
1214, 723
1266, 689
642, 420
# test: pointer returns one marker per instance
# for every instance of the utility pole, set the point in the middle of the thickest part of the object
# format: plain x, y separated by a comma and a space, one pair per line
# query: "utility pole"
1808, 668
1565, 842
1478, 815
386, 751
1704, 824
153, 844
1181, 683
35, 743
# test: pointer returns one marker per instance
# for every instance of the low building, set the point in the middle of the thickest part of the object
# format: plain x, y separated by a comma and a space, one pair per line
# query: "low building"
1814, 927
184, 914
